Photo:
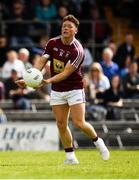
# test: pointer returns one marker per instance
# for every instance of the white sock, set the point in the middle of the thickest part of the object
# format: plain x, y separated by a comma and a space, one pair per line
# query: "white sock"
96, 142
70, 155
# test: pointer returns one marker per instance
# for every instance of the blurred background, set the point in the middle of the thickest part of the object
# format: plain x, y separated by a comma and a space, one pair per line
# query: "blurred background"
109, 32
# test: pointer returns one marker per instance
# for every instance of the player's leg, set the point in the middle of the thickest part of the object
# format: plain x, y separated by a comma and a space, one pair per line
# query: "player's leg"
78, 117
61, 113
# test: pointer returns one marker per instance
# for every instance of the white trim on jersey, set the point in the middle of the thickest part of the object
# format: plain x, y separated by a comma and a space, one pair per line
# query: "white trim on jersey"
80, 54
57, 37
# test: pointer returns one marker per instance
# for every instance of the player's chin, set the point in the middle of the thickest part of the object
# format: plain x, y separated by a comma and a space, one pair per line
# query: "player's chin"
65, 35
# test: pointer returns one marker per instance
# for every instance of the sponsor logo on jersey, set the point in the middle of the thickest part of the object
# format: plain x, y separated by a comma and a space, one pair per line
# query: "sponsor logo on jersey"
58, 66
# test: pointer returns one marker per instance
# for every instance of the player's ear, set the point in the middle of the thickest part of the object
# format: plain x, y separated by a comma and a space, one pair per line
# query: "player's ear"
76, 31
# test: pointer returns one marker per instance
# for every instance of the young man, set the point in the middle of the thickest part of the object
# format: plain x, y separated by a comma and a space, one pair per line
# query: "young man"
66, 56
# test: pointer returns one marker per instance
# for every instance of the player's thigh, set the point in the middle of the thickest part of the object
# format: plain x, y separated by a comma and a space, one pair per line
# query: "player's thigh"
61, 113
78, 112
76, 96
57, 98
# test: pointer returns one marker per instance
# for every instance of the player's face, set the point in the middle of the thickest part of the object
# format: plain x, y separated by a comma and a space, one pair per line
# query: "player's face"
68, 29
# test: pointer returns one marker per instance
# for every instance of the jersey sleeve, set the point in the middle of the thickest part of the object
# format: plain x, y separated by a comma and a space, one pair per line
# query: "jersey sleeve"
76, 58
48, 49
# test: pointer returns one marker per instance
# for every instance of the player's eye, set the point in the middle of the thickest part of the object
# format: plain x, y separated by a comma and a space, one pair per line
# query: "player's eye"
68, 26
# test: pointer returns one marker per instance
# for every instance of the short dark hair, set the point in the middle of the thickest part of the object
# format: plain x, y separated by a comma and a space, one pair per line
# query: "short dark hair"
71, 18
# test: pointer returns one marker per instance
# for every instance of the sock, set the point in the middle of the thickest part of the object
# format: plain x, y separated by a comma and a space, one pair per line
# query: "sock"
70, 153
69, 149
95, 139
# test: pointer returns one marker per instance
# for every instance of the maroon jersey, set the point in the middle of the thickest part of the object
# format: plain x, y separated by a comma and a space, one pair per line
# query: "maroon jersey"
61, 54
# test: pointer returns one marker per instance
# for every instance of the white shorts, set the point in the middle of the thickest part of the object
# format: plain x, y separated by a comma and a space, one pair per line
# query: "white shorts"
67, 97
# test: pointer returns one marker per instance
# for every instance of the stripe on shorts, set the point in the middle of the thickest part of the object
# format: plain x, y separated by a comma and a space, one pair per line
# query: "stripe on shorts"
83, 96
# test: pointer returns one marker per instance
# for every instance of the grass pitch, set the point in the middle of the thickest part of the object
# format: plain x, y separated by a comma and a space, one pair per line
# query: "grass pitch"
49, 165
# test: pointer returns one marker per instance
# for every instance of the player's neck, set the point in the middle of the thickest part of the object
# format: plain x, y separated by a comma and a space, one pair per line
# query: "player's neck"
66, 41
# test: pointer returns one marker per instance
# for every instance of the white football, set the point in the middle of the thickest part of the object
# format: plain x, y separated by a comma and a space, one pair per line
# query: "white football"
32, 77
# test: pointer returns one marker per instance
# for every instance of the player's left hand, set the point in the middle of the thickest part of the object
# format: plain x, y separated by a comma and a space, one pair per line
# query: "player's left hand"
44, 82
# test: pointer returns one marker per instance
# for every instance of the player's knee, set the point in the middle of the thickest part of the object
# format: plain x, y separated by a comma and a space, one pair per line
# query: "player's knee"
79, 124
61, 126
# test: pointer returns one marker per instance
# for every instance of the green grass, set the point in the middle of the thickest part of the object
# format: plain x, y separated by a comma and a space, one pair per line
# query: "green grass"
47, 165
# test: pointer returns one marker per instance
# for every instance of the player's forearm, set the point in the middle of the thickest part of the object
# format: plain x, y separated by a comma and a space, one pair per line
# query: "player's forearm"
57, 78
40, 63
69, 69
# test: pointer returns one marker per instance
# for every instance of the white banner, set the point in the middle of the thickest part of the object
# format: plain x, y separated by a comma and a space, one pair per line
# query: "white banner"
29, 136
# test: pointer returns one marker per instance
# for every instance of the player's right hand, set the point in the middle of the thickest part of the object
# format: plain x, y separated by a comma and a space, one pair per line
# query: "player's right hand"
21, 83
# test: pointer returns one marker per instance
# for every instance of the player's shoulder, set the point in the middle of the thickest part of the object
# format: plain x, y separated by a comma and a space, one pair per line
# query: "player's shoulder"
54, 39
77, 45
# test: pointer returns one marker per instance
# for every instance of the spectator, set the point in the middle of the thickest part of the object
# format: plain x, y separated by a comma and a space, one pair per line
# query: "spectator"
86, 86
3, 15
113, 47
74, 6
3, 118
19, 31
113, 95
112, 98
109, 67
41, 45
85, 31
3, 49
3, 11
23, 55
134, 14
35, 58
95, 85
62, 12
131, 81
96, 30
45, 10
125, 49
124, 71
101, 28
2, 91
56, 26
98, 82
17, 94
41, 93
12, 63
88, 60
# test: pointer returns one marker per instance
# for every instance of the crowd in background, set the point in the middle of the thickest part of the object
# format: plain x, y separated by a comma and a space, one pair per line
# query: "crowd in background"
108, 78
34, 18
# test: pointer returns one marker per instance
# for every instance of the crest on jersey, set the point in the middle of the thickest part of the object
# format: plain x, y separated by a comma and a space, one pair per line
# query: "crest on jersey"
58, 66
67, 54
55, 49
61, 52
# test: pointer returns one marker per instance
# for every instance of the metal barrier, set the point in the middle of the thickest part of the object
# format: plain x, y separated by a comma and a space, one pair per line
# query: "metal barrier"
92, 44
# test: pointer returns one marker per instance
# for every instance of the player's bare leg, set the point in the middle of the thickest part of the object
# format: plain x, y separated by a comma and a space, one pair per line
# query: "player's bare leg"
62, 114
78, 117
